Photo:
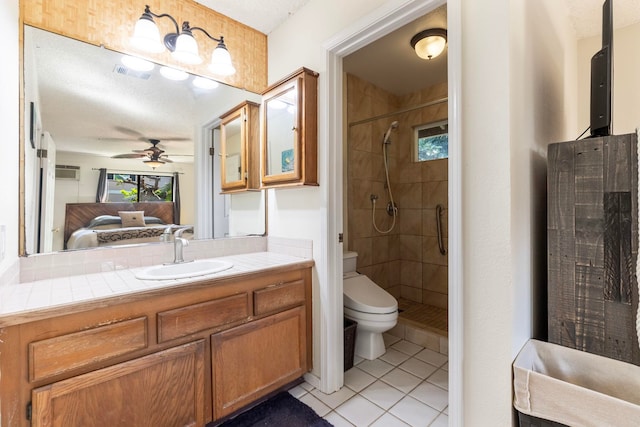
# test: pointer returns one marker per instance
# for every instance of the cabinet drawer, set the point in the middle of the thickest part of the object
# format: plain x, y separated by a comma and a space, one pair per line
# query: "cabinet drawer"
183, 321
278, 297
60, 354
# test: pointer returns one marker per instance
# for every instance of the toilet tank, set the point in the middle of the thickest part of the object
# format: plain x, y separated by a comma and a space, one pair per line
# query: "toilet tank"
349, 262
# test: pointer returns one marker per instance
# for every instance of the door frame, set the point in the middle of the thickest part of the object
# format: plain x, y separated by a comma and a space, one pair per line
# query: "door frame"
387, 18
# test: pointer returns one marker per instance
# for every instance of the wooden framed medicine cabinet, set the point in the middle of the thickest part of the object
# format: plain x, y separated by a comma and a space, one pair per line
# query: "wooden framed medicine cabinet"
240, 148
290, 131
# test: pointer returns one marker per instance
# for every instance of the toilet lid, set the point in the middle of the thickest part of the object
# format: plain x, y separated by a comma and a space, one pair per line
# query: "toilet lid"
361, 294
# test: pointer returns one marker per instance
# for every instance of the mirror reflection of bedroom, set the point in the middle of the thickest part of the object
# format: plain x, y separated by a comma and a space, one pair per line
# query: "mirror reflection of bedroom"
118, 153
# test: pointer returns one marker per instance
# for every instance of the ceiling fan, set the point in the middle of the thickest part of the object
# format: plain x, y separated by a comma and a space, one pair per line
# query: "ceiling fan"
154, 155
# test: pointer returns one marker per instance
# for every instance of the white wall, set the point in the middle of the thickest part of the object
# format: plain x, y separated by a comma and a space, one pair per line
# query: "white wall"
298, 212
518, 80
626, 78
518, 96
9, 123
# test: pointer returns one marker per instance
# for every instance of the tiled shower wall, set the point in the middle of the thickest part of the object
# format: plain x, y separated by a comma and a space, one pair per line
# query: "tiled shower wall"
405, 261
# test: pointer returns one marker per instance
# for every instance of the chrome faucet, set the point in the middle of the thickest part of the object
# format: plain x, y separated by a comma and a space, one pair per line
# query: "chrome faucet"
166, 234
179, 243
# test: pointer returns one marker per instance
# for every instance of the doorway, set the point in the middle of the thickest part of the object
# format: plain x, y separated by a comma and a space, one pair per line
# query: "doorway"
396, 189
382, 21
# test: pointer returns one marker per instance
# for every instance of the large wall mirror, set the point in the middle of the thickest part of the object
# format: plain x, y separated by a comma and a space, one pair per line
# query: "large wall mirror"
85, 110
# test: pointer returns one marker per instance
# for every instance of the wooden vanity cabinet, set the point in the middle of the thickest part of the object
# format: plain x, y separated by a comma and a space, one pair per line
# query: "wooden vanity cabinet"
180, 356
240, 148
290, 131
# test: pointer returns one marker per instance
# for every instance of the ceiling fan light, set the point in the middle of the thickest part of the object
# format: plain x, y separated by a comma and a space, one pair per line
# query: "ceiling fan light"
146, 35
173, 74
153, 163
221, 61
430, 43
186, 49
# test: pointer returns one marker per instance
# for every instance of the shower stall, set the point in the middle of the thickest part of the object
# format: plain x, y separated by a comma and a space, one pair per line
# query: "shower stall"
396, 207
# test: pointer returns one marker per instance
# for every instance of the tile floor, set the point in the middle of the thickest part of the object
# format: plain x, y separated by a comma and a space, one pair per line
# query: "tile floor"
406, 386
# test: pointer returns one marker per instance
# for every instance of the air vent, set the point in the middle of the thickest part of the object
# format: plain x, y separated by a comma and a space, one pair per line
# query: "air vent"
68, 172
121, 69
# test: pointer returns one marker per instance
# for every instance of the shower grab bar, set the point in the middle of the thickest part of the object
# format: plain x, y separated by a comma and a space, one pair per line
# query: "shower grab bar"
439, 209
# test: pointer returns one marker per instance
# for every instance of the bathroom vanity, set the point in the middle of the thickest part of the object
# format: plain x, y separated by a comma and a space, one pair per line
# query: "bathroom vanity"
181, 354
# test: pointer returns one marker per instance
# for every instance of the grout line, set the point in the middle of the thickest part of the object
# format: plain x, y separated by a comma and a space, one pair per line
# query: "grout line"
404, 395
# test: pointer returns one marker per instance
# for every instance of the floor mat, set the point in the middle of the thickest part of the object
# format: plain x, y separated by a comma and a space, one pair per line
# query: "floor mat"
279, 411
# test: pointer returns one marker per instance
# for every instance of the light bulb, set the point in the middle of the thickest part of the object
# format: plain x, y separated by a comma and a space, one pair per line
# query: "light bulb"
221, 61
186, 49
146, 36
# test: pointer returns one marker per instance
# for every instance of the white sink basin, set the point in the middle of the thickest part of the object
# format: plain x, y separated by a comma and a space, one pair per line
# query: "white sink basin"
183, 270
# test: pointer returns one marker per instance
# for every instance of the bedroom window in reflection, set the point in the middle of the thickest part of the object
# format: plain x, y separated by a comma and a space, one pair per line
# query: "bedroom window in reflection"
431, 141
139, 188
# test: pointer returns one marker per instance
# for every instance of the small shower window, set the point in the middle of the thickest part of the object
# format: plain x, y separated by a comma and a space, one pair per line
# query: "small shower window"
432, 141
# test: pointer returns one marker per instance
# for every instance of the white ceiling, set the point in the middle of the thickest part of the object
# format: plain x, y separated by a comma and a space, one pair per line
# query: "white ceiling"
261, 15
265, 16
401, 71
586, 15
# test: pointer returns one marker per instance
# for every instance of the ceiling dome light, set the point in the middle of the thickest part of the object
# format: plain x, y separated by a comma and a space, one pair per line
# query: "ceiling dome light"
221, 61
146, 35
137, 64
173, 74
204, 83
429, 44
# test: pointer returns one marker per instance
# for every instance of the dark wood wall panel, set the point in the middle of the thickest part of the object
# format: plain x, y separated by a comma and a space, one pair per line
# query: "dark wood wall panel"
592, 220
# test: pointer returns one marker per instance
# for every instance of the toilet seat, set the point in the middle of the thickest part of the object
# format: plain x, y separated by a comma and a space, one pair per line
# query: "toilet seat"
378, 318
363, 295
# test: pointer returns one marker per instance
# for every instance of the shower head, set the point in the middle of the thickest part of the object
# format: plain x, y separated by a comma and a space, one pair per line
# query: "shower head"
387, 134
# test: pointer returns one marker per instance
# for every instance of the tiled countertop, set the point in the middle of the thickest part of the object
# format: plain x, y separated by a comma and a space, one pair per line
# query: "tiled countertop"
20, 301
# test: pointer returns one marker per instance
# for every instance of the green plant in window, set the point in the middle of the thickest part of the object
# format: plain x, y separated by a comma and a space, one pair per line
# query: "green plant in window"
433, 147
125, 180
143, 188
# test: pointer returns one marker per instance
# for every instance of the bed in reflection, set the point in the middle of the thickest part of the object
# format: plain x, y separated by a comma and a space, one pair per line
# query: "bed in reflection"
90, 225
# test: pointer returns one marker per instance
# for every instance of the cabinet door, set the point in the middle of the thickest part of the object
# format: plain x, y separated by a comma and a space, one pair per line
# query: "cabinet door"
254, 359
240, 148
289, 121
282, 137
232, 149
162, 389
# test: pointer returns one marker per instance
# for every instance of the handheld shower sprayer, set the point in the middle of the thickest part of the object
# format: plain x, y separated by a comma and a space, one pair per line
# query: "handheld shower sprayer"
392, 208
387, 134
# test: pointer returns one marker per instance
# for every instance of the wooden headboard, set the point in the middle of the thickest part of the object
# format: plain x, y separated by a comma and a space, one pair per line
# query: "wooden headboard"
79, 215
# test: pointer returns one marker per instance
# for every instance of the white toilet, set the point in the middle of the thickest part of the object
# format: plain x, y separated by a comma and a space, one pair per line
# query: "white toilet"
373, 308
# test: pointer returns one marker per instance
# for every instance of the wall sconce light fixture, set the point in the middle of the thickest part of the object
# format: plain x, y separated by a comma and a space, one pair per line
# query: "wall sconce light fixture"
181, 43
430, 43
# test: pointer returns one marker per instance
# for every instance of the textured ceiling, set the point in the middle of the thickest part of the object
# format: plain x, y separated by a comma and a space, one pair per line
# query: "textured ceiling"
586, 15
263, 15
